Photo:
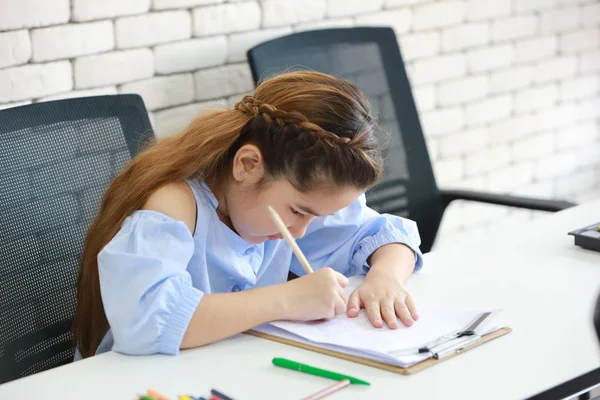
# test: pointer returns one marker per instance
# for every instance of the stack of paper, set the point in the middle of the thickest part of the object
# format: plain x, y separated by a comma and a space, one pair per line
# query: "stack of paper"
399, 347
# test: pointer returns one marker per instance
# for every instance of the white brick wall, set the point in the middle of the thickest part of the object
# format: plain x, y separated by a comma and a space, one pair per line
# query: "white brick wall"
30, 81
190, 55
465, 36
487, 160
164, 91
223, 81
224, 18
442, 121
400, 3
509, 178
557, 116
513, 128
440, 14
464, 142
449, 170
574, 42
328, 23
112, 68
589, 108
560, 20
536, 49
462, 90
81, 93
511, 79
508, 91
536, 98
32, 13
284, 12
239, 43
489, 58
420, 45
340, 8
149, 29
174, 119
515, 27
568, 186
584, 134
488, 110
589, 62
16, 48
578, 88
425, 97
172, 4
85, 10
484, 9
437, 69
533, 148
590, 15
551, 70
400, 20
72, 40
524, 6
559, 164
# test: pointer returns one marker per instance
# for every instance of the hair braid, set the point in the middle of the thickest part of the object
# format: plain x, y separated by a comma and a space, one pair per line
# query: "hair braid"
269, 113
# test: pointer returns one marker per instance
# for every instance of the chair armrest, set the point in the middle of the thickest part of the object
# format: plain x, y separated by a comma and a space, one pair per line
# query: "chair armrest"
530, 203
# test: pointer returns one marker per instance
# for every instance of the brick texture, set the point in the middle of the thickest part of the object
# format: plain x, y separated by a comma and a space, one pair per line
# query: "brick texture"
15, 47
72, 40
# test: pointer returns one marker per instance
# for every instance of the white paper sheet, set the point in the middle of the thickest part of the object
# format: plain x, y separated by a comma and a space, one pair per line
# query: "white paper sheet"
357, 336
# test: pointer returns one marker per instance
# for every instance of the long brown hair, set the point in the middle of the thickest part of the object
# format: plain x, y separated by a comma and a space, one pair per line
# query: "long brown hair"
312, 129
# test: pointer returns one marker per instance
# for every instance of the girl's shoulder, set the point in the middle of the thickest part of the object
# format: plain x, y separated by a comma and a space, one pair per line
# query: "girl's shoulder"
176, 200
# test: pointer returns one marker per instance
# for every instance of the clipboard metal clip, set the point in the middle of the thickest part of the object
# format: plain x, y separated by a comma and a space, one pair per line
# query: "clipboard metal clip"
448, 345
455, 347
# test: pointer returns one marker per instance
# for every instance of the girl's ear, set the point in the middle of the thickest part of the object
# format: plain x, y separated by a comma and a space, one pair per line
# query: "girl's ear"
248, 164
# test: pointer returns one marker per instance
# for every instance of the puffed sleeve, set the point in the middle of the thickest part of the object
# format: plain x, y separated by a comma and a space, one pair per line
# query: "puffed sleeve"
146, 290
344, 240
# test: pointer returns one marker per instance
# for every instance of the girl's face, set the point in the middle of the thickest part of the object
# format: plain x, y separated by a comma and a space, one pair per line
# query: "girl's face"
251, 220
246, 206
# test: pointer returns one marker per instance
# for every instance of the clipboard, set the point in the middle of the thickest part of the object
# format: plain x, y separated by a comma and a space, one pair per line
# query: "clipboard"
376, 364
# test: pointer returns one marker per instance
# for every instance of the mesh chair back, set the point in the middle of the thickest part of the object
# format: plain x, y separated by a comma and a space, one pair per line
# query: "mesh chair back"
56, 160
370, 58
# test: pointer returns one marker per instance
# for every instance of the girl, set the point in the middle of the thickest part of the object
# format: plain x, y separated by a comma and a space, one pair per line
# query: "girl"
183, 252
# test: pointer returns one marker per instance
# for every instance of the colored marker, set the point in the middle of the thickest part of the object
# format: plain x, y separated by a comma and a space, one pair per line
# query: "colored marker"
296, 366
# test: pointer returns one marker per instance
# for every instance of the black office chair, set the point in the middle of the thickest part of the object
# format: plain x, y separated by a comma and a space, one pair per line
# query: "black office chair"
56, 160
370, 58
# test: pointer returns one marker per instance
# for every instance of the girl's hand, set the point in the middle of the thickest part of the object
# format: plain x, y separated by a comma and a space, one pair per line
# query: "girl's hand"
319, 295
384, 298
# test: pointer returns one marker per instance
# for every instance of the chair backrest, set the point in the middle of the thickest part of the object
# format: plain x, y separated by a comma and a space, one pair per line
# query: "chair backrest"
370, 58
56, 160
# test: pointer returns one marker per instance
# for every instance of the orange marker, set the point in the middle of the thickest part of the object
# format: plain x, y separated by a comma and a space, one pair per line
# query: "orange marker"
157, 396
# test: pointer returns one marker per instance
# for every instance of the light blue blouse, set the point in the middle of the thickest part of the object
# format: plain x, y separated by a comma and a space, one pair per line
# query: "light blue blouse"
154, 272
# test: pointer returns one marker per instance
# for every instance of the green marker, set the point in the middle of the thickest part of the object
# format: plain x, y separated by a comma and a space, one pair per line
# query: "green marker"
282, 362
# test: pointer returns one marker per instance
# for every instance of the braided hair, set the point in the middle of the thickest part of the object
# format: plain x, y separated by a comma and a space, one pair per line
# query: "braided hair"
329, 141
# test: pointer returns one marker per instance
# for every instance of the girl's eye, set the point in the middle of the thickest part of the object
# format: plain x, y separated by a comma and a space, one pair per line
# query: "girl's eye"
296, 212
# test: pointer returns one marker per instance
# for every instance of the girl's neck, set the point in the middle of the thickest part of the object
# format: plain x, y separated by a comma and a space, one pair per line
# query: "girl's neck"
220, 193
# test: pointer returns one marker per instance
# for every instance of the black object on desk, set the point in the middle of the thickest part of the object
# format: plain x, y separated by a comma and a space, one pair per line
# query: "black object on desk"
588, 237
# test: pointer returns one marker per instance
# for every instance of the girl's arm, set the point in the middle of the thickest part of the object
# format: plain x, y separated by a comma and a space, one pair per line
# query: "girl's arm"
221, 315
153, 307
318, 295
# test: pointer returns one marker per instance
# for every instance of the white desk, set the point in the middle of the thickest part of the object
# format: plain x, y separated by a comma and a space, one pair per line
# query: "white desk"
545, 284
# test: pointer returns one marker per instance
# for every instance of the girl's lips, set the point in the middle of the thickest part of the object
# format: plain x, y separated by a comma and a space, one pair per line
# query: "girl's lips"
275, 237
